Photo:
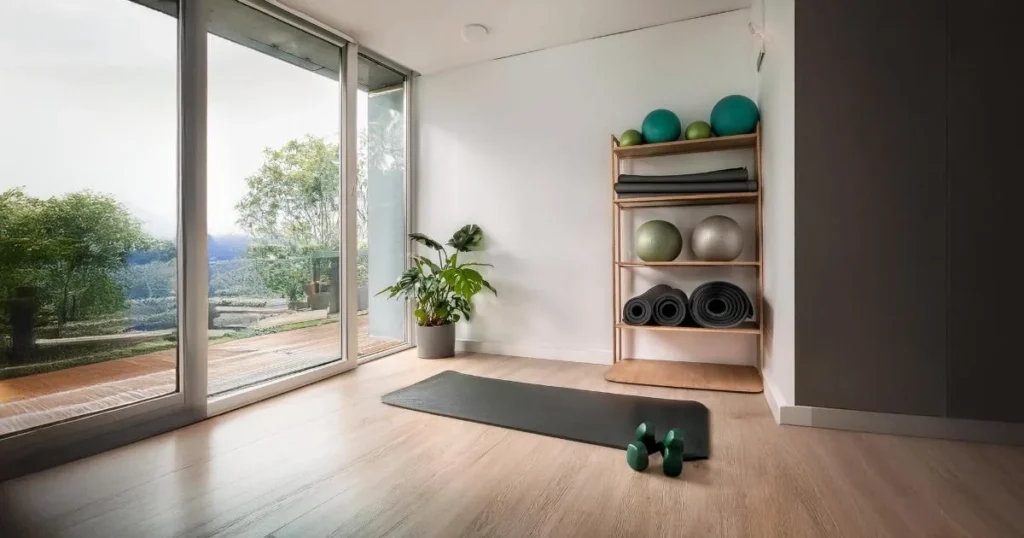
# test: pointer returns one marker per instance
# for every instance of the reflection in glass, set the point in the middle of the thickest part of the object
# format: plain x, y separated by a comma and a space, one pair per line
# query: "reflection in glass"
88, 211
381, 212
274, 191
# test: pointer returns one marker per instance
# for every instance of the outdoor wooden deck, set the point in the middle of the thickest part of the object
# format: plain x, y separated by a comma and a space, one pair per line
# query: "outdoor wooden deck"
31, 401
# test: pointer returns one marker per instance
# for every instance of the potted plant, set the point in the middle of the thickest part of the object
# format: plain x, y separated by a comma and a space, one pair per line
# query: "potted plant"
441, 292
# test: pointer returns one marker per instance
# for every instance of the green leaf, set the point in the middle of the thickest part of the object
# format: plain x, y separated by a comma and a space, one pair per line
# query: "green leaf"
467, 238
426, 241
428, 262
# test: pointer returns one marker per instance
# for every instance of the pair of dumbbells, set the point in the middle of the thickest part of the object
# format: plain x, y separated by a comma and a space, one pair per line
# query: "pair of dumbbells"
671, 449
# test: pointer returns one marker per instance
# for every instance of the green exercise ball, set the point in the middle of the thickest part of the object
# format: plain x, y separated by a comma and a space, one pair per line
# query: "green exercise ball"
658, 241
698, 129
631, 138
734, 115
661, 126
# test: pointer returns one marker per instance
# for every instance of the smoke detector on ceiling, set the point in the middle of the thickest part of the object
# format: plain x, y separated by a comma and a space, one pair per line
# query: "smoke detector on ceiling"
474, 33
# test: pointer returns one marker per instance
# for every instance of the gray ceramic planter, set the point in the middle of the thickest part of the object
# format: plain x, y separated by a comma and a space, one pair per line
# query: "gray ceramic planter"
435, 342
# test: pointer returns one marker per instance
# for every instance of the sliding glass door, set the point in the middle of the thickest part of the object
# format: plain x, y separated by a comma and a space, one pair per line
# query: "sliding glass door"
198, 199
274, 198
88, 208
382, 210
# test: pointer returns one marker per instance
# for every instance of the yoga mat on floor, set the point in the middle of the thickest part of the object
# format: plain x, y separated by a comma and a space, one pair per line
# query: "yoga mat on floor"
640, 309
597, 418
685, 188
719, 305
670, 308
729, 174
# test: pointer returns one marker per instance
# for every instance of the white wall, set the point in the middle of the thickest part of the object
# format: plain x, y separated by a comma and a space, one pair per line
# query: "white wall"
776, 100
520, 146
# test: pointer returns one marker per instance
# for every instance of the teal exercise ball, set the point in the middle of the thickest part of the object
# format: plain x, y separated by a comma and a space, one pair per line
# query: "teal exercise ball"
734, 115
661, 126
658, 241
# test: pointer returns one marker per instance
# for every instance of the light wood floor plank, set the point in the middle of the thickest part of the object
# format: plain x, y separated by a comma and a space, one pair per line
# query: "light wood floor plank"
331, 460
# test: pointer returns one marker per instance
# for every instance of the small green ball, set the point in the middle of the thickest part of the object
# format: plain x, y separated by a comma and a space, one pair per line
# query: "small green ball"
658, 241
631, 138
698, 129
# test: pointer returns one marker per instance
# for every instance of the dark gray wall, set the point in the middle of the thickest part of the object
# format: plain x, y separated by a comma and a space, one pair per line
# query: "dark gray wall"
986, 194
907, 207
870, 205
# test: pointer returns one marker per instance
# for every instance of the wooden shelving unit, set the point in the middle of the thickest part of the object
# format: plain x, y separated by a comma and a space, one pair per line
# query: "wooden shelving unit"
705, 376
689, 199
747, 327
681, 147
691, 263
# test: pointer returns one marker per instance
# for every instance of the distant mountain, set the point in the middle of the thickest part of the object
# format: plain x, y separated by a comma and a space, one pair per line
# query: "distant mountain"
226, 247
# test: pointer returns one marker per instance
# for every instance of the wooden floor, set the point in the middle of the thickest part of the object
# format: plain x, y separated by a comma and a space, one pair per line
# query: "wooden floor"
331, 460
36, 400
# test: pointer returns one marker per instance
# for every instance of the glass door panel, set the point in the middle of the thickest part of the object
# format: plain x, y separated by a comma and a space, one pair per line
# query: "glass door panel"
88, 208
381, 211
273, 210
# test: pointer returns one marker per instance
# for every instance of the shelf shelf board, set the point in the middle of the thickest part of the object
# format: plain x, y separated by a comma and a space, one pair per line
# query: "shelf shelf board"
715, 198
747, 327
691, 263
686, 375
681, 147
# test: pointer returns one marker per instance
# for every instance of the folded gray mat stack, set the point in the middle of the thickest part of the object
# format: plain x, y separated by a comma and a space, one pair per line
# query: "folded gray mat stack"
720, 305
728, 180
728, 174
648, 189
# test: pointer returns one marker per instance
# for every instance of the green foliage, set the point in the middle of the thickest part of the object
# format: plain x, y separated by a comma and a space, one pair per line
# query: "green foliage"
69, 248
294, 197
467, 238
292, 211
362, 267
156, 279
283, 270
442, 291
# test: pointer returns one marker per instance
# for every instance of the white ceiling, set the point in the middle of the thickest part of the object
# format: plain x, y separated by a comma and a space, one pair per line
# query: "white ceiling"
426, 35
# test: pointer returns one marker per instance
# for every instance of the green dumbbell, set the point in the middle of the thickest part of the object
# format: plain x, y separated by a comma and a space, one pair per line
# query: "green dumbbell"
672, 454
645, 433
637, 456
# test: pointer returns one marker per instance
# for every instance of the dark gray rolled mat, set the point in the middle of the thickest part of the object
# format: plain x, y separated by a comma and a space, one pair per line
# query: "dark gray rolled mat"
729, 174
597, 418
719, 305
640, 309
683, 188
670, 308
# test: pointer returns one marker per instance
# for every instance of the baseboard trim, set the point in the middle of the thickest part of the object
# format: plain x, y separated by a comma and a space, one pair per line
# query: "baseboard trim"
775, 401
535, 352
1006, 433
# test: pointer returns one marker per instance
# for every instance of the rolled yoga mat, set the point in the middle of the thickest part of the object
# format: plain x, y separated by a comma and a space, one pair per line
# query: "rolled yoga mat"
640, 309
598, 418
729, 174
719, 305
684, 188
670, 308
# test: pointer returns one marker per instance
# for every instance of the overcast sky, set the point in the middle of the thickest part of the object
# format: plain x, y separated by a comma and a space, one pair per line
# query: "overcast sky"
88, 101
